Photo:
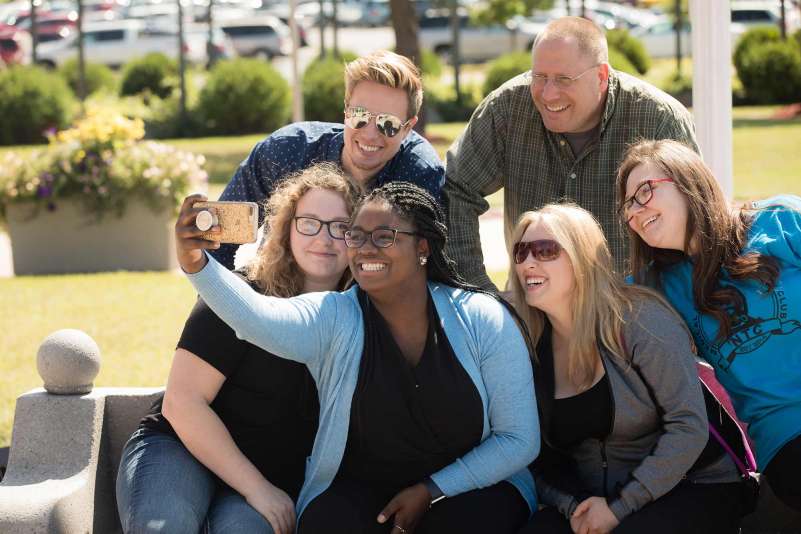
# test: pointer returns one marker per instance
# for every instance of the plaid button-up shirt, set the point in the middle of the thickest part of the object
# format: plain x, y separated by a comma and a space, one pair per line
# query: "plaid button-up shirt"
507, 145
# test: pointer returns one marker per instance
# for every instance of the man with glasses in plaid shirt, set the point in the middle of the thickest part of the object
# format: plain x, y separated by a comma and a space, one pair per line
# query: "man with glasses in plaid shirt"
375, 145
557, 132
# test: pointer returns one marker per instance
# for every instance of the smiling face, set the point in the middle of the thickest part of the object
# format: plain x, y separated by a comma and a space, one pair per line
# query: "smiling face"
321, 259
366, 150
390, 269
662, 222
547, 285
579, 107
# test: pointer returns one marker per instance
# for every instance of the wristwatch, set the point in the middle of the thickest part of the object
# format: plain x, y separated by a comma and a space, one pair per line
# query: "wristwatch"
433, 489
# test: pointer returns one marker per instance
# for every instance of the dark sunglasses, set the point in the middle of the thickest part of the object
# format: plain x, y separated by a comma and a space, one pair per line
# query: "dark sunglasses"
381, 237
541, 249
389, 125
642, 196
311, 226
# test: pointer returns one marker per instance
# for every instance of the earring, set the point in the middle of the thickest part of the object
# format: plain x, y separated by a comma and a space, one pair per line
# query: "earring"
423, 260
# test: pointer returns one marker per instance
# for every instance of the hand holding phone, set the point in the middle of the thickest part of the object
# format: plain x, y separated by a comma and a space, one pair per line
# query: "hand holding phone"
238, 221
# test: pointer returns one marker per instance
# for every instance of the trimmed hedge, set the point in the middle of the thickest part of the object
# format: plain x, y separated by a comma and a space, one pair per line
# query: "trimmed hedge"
324, 88
32, 101
620, 62
97, 76
631, 47
244, 96
771, 72
754, 37
504, 68
152, 73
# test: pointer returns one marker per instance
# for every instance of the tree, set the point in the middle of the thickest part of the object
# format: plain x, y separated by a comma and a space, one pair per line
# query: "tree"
404, 22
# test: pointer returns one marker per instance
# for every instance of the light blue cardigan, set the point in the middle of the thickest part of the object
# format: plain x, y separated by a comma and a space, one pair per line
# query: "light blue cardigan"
325, 331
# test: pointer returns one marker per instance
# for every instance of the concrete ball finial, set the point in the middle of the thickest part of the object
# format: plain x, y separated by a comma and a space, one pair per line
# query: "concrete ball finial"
68, 361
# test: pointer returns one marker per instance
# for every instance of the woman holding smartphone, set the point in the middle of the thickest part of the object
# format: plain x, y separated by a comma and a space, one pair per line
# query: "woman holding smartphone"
225, 451
734, 274
426, 394
622, 412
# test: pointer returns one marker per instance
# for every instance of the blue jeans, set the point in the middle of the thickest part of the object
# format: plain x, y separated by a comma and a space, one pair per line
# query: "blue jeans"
161, 487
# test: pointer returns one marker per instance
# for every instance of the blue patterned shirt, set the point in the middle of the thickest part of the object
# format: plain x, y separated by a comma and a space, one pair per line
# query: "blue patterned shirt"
297, 146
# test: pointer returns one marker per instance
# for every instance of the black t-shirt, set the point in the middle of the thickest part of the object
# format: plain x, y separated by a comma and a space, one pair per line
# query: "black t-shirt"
268, 404
586, 415
408, 422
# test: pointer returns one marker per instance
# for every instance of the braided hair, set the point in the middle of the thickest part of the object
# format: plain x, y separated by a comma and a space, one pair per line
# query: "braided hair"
419, 207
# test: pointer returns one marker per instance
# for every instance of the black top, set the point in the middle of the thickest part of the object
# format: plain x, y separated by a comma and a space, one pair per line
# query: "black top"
408, 422
582, 416
268, 404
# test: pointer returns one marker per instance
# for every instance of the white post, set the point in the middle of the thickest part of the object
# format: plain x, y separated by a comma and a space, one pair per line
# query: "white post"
712, 74
297, 92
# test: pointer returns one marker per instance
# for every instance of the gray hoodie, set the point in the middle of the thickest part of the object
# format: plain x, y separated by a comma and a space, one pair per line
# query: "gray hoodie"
659, 422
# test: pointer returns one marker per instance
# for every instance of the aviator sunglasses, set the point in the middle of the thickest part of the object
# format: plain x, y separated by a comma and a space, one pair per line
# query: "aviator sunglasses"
389, 125
541, 249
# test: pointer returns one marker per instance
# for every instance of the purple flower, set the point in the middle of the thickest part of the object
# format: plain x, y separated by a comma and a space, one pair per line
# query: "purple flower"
44, 191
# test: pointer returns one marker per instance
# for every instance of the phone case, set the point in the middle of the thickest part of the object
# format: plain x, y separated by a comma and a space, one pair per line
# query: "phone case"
238, 221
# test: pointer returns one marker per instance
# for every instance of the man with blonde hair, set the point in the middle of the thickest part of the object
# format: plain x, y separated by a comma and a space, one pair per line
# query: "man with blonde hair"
556, 132
375, 145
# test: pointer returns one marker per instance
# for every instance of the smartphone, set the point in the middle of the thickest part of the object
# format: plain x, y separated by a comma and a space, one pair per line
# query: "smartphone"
238, 221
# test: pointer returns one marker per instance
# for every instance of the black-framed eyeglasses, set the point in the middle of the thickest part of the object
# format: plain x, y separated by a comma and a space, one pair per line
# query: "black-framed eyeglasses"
562, 81
388, 124
541, 249
642, 196
311, 226
381, 237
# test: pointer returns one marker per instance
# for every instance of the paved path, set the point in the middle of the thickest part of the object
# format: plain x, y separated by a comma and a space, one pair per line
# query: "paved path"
491, 241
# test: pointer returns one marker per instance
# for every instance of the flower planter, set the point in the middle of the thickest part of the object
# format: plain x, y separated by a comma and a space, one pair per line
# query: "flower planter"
66, 240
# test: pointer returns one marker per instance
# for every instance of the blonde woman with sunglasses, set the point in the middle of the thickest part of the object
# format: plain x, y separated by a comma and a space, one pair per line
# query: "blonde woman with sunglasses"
623, 419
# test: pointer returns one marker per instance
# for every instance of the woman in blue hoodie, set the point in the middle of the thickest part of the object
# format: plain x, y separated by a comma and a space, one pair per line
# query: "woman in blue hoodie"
734, 274
426, 389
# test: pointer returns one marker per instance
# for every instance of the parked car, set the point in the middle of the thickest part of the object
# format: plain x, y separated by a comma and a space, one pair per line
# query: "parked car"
751, 14
15, 46
375, 13
348, 13
264, 37
660, 39
115, 43
477, 43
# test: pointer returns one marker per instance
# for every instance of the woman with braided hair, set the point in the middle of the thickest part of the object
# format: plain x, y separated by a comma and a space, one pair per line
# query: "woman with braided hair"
425, 383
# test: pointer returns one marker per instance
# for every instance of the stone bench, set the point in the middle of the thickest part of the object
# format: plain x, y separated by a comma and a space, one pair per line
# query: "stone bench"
68, 437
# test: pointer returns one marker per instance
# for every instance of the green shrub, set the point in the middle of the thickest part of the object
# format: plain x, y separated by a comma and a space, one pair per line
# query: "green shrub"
631, 47
504, 68
621, 62
97, 76
797, 37
441, 98
756, 36
32, 101
324, 88
154, 73
430, 63
244, 96
771, 72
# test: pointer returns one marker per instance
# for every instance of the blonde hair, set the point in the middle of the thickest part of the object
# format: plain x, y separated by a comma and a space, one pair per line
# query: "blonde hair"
590, 39
390, 69
274, 268
600, 299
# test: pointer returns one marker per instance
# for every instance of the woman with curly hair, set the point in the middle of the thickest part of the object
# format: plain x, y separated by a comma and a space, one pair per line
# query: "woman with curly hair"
734, 274
425, 383
225, 449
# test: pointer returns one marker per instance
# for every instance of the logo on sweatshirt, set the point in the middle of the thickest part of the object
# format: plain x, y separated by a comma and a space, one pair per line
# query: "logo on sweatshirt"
760, 319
